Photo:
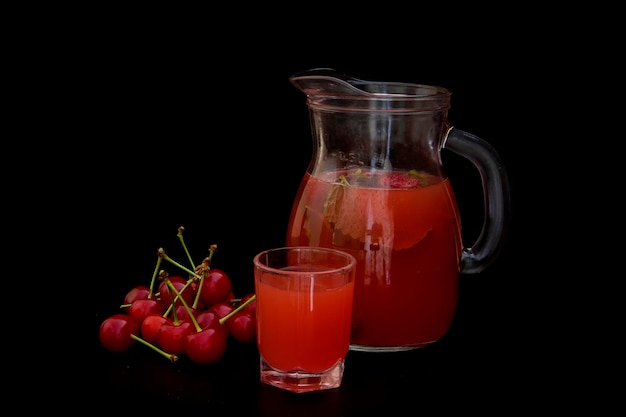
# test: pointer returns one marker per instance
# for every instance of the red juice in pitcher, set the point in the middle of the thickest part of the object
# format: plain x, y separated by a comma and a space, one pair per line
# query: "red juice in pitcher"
403, 227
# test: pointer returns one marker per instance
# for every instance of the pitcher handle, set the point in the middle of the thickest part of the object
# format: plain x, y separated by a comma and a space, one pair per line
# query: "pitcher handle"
497, 199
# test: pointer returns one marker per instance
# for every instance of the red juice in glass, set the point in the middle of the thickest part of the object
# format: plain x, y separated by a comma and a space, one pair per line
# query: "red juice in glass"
403, 228
304, 325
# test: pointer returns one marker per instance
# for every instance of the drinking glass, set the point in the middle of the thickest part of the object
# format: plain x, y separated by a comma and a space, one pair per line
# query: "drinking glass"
304, 312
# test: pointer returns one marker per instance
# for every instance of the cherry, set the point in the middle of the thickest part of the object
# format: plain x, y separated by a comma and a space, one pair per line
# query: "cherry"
206, 346
172, 335
210, 318
201, 331
150, 327
119, 332
181, 285
140, 309
222, 309
230, 298
250, 307
183, 312
242, 327
216, 287
140, 292
115, 332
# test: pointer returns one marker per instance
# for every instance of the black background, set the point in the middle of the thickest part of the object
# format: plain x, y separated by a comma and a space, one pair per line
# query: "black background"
201, 128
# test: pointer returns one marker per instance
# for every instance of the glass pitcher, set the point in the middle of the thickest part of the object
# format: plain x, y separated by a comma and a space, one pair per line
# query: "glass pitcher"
377, 189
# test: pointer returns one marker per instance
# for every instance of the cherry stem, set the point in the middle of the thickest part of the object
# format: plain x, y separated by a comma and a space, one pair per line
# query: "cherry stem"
205, 267
171, 286
181, 229
154, 275
212, 250
238, 309
196, 299
163, 255
182, 300
169, 308
172, 357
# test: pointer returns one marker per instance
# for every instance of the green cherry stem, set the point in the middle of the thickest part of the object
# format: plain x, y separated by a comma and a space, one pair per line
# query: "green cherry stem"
181, 229
173, 310
154, 275
235, 311
172, 357
196, 299
204, 268
182, 300
212, 250
187, 284
163, 255
151, 293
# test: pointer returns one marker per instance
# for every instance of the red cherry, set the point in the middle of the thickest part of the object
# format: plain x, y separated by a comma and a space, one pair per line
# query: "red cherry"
183, 313
207, 318
115, 332
210, 318
172, 336
151, 325
242, 326
216, 287
206, 346
222, 309
249, 308
229, 297
183, 288
140, 292
140, 309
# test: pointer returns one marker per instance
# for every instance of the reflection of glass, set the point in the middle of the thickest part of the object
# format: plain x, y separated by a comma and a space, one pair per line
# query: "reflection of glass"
304, 309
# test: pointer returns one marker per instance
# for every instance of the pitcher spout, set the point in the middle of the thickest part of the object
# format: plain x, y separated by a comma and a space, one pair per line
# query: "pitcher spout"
326, 87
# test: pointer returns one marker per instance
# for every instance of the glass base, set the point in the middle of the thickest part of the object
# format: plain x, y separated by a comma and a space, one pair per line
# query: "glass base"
401, 348
302, 381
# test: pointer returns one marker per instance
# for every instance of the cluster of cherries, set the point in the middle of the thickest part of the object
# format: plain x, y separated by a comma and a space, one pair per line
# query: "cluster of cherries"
194, 316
